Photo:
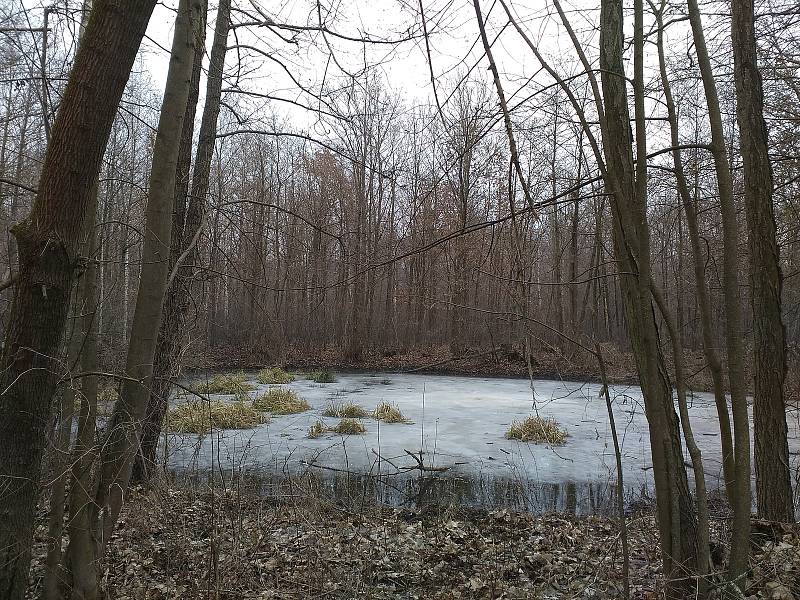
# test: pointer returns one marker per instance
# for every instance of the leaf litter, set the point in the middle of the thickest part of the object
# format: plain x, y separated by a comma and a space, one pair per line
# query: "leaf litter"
175, 542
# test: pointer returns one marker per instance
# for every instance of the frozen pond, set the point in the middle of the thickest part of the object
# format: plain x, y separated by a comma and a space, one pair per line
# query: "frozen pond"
458, 424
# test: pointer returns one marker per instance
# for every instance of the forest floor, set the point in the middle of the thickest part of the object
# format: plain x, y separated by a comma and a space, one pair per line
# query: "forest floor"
187, 543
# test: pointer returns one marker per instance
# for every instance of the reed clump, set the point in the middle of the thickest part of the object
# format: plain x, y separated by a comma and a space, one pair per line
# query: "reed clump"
389, 413
346, 410
280, 401
224, 384
538, 430
349, 427
274, 375
199, 417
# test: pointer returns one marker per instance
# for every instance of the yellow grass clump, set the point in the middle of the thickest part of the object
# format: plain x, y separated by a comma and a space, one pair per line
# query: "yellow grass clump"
196, 416
226, 383
274, 375
537, 430
389, 413
316, 430
347, 410
322, 376
349, 427
280, 401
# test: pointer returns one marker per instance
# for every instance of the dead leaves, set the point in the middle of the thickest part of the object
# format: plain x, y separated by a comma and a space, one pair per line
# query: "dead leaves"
185, 546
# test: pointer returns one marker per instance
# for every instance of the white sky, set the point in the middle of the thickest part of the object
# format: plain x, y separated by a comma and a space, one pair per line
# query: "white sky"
455, 47
455, 44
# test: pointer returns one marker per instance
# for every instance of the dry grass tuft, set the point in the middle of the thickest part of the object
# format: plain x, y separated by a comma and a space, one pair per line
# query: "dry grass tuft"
274, 375
226, 383
316, 430
322, 376
280, 401
538, 430
349, 427
389, 413
196, 416
347, 410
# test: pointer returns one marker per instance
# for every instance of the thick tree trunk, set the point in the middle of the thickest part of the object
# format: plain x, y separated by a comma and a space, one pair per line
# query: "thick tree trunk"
48, 245
773, 480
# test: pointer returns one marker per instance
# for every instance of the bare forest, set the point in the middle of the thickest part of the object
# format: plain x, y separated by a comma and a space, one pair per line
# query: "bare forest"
213, 210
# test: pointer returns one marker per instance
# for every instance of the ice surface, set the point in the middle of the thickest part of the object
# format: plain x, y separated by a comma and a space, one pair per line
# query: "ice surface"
458, 423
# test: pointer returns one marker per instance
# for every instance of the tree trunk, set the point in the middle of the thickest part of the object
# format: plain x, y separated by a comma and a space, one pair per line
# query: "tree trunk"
631, 245
740, 538
701, 494
186, 219
201, 174
773, 480
80, 570
123, 430
703, 303
48, 243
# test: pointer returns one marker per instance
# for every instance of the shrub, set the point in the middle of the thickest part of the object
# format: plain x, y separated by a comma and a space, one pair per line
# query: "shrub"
388, 413
280, 401
316, 430
322, 376
228, 383
537, 430
349, 427
197, 416
274, 375
348, 410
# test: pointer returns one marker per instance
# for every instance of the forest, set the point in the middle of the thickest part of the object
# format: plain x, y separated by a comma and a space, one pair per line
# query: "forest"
409, 299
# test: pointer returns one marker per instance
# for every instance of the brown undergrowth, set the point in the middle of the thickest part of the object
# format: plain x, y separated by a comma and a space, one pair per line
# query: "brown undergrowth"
180, 542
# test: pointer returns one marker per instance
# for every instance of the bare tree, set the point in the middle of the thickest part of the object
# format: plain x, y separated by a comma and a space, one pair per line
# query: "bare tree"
48, 242
773, 482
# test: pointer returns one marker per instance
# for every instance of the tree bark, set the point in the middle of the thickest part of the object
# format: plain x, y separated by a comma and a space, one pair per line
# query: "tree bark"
740, 538
703, 302
48, 243
773, 479
186, 218
631, 245
79, 573
123, 430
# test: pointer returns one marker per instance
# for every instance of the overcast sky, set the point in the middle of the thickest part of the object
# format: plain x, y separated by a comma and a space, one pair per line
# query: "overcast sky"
403, 68
455, 45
